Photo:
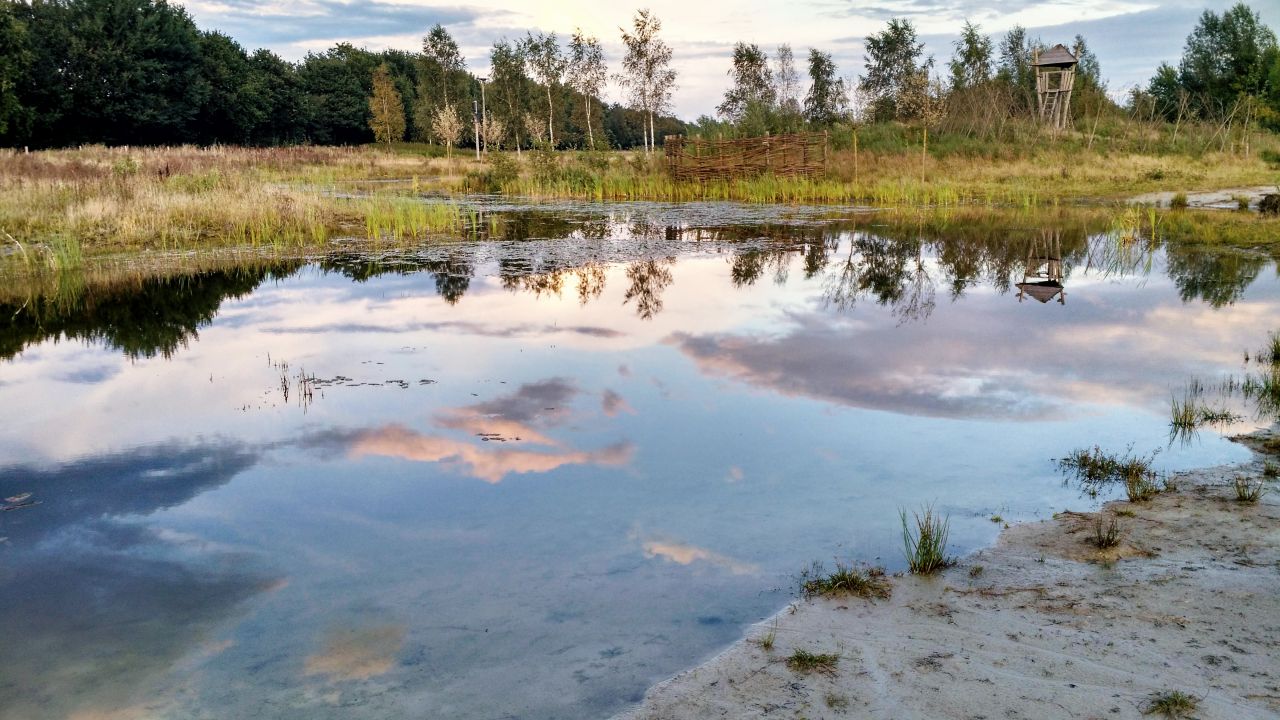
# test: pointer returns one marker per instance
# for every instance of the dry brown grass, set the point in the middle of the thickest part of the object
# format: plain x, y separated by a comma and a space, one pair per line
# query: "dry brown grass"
156, 198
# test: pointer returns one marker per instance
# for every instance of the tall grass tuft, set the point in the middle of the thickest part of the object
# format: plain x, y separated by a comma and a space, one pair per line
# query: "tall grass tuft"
1173, 704
846, 580
1096, 469
1248, 491
806, 661
926, 546
1105, 534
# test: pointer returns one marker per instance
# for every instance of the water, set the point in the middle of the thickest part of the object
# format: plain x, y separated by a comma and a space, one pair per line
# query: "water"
530, 478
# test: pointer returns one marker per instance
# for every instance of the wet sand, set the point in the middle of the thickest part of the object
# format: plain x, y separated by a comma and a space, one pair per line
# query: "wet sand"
1049, 627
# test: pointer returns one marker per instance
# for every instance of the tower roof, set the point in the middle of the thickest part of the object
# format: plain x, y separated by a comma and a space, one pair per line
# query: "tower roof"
1058, 56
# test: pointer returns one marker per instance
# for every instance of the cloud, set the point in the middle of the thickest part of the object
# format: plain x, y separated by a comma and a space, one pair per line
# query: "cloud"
455, 327
524, 415
491, 466
357, 653
979, 369
683, 553
613, 404
267, 24
89, 582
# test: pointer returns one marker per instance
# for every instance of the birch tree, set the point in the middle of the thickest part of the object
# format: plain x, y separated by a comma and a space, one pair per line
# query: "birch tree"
647, 74
586, 74
547, 64
386, 110
509, 79
447, 126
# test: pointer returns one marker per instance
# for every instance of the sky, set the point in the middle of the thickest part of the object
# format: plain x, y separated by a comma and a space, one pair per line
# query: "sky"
1130, 37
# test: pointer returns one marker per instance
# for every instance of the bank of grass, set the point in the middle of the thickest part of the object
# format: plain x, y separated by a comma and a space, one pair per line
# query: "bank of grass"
1044, 177
887, 165
57, 207
104, 199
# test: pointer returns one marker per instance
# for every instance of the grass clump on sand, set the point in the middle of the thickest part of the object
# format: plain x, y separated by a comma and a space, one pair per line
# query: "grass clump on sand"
1106, 534
1172, 704
805, 661
1096, 469
846, 580
926, 546
1248, 491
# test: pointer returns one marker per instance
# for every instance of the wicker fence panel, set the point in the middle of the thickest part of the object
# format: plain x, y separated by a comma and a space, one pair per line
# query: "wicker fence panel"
698, 159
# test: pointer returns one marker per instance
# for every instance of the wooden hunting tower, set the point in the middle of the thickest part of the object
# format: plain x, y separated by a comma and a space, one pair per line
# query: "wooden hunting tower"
1055, 76
1042, 276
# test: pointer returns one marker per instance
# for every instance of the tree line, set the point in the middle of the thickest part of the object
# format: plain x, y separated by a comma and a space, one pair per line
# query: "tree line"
1230, 66
140, 72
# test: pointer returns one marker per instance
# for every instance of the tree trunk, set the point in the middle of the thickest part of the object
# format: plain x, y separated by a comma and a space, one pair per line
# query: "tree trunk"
591, 139
551, 129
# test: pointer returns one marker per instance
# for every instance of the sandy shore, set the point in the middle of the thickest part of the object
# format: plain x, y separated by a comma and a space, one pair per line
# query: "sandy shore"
1048, 627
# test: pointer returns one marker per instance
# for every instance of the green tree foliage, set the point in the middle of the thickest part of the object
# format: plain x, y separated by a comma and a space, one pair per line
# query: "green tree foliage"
752, 89
786, 88
586, 74
232, 107
15, 63
827, 98
1015, 72
512, 88
647, 75
337, 84
547, 64
276, 83
386, 109
116, 71
894, 60
442, 79
972, 62
1225, 58
139, 72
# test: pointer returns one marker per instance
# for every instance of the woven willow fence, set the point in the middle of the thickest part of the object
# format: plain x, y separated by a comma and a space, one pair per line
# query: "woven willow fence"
800, 154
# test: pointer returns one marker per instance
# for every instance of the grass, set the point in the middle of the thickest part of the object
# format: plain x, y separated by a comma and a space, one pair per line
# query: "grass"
767, 640
1105, 534
836, 702
1270, 470
62, 207
846, 580
805, 661
1248, 491
1190, 414
182, 197
926, 546
1096, 469
1172, 704
1121, 159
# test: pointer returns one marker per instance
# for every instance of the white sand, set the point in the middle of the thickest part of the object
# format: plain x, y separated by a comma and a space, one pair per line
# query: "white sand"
1050, 627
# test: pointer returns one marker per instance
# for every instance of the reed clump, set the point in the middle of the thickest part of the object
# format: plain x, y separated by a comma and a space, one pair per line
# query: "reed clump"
807, 661
1096, 469
869, 583
926, 545
1248, 490
1174, 704
1106, 532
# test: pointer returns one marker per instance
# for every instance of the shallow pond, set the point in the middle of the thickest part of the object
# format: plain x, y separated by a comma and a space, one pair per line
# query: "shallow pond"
528, 478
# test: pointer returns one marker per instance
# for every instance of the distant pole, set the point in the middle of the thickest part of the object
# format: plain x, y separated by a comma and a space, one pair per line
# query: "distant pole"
484, 117
475, 120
